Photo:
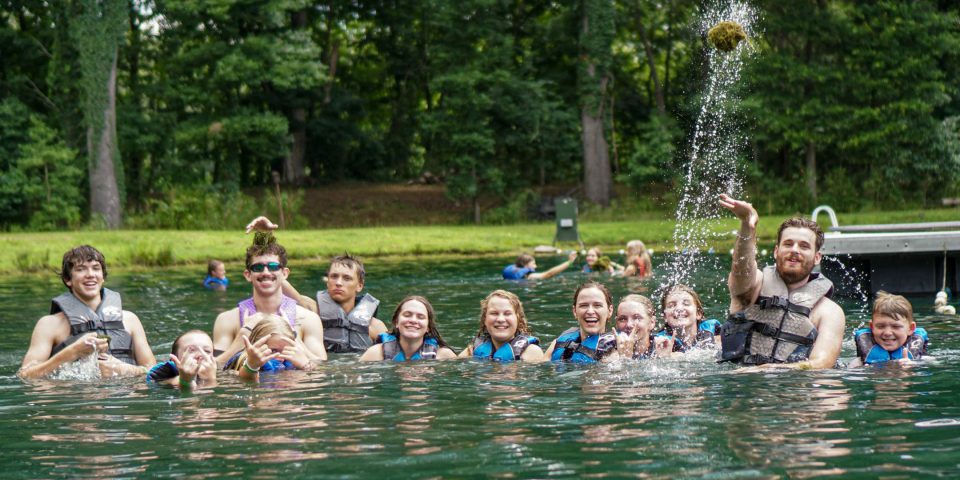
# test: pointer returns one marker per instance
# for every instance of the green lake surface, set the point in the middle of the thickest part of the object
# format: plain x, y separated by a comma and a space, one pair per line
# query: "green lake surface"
688, 418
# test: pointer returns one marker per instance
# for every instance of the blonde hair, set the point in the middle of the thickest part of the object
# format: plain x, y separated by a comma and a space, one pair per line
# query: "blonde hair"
267, 324
634, 248
644, 302
895, 306
522, 328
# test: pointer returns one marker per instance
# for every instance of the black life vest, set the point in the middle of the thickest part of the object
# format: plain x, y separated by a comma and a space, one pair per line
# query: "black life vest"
346, 332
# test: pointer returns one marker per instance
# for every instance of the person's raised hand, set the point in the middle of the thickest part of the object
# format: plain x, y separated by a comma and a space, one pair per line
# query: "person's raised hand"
742, 210
572, 256
261, 224
296, 353
258, 353
627, 343
208, 366
663, 345
188, 367
86, 345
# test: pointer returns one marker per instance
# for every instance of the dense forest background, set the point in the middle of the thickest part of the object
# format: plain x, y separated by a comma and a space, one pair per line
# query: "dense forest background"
176, 113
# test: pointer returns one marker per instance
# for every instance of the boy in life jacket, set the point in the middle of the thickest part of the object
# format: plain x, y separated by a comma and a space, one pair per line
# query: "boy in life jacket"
216, 276
892, 334
88, 318
525, 268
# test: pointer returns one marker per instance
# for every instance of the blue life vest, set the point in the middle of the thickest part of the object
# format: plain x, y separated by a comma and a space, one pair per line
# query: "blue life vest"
513, 272
508, 352
213, 282
272, 365
163, 371
570, 348
392, 351
705, 336
871, 353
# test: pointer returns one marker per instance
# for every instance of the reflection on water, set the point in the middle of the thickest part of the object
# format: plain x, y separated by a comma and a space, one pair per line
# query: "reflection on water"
677, 417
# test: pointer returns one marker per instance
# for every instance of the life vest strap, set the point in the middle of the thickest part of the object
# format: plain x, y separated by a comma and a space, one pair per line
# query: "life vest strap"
782, 303
774, 332
91, 325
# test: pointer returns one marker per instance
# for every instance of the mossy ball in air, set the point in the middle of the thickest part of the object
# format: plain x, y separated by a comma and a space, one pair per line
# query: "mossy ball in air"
726, 35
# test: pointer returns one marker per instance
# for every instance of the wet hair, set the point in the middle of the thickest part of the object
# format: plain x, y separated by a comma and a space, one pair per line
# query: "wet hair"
431, 318
175, 349
267, 324
680, 288
78, 256
801, 222
352, 262
592, 284
212, 266
522, 328
643, 301
272, 248
894, 306
635, 247
523, 259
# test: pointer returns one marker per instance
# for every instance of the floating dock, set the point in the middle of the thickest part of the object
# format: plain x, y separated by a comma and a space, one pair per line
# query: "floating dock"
903, 258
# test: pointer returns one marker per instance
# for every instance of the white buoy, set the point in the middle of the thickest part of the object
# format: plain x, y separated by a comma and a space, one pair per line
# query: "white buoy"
763, 252
940, 304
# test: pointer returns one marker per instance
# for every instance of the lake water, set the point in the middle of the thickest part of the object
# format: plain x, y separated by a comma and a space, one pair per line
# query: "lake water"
658, 418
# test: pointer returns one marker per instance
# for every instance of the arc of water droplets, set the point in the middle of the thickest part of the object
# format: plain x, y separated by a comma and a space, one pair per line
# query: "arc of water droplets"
716, 144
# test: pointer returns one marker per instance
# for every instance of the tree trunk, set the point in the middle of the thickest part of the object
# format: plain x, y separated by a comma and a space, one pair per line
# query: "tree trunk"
652, 64
293, 170
595, 40
811, 155
103, 151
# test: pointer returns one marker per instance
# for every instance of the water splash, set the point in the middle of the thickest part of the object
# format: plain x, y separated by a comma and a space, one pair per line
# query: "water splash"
85, 369
716, 145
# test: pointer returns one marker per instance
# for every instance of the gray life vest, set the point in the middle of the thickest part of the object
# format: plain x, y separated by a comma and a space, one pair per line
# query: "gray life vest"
777, 328
107, 320
346, 332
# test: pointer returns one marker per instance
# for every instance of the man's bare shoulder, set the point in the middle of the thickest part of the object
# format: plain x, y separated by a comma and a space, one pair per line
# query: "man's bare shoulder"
307, 315
233, 313
828, 310
130, 317
53, 322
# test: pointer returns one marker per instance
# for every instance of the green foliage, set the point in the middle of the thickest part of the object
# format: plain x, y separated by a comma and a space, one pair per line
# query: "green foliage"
196, 208
149, 254
51, 190
651, 153
515, 210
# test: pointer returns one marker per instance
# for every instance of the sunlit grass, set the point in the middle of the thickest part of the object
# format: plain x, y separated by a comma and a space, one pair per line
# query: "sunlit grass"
25, 252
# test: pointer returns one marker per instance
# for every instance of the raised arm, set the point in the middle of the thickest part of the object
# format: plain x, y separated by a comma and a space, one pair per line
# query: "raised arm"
555, 270
744, 279
302, 300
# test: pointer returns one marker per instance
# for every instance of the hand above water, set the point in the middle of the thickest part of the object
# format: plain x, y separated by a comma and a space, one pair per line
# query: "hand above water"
110, 366
86, 345
743, 210
258, 353
296, 353
261, 224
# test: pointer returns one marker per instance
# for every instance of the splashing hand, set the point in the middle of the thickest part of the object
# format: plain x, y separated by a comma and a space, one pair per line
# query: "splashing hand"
743, 210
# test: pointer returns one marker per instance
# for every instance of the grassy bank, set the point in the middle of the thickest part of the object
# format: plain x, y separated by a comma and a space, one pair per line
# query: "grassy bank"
42, 251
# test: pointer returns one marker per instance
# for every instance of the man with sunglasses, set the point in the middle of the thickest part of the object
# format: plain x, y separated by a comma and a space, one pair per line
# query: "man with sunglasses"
266, 269
87, 319
348, 314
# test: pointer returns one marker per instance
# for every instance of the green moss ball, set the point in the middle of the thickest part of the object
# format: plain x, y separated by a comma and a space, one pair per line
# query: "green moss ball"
726, 35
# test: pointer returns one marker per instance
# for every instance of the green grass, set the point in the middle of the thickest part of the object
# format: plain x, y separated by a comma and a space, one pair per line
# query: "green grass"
150, 248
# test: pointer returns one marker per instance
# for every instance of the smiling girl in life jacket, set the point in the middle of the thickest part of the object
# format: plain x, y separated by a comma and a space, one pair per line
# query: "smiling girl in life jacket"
683, 318
892, 334
504, 335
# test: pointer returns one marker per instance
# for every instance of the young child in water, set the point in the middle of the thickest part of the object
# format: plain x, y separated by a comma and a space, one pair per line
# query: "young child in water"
892, 334
684, 318
191, 362
216, 276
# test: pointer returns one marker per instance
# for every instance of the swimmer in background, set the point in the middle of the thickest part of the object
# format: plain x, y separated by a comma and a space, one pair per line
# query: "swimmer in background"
683, 317
893, 335
414, 335
191, 364
271, 347
525, 268
216, 276
596, 262
87, 318
589, 341
504, 335
635, 320
639, 263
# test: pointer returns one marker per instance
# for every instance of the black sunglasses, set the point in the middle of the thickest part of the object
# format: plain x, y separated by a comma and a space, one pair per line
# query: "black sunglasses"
258, 267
